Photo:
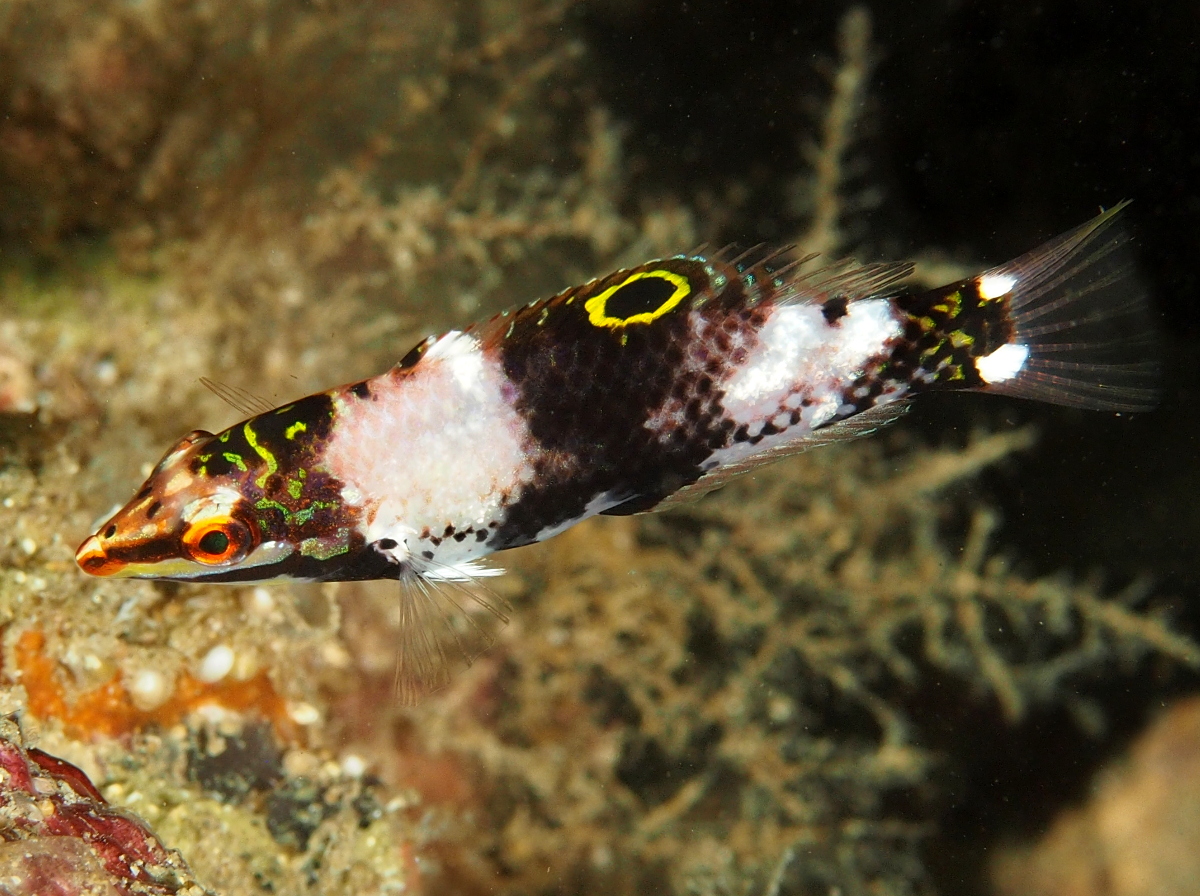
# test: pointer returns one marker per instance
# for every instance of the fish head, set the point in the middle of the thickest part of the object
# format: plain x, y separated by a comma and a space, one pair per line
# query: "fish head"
184, 523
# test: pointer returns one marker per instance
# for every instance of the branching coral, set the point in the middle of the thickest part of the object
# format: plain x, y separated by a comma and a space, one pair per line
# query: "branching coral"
166, 112
819, 193
703, 695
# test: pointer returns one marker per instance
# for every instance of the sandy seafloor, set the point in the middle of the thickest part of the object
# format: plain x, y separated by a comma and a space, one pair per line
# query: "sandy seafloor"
955, 658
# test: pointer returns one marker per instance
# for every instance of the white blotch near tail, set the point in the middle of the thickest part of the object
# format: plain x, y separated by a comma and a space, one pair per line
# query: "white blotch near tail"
790, 334
993, 286
1002, 364
805, 364
799, 352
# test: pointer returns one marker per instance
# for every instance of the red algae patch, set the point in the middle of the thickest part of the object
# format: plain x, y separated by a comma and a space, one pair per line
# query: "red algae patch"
110, 711
61, 836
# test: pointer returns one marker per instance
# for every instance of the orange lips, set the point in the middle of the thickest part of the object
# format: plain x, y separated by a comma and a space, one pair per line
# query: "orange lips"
93, 560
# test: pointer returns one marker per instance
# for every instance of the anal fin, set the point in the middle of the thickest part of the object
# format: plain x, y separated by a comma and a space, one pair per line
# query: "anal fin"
859, 425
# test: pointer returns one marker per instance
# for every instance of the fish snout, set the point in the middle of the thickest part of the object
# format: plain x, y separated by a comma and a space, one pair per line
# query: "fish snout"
94, 560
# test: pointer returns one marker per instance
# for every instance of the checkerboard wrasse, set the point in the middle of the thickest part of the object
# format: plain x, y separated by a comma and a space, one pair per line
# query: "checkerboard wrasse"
633, 392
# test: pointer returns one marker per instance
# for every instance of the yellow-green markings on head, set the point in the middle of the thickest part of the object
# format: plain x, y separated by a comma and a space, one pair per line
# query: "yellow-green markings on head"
615, 307
266, 455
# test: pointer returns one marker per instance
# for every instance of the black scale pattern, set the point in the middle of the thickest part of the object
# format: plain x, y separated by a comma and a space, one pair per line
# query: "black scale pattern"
587, 391
945, 330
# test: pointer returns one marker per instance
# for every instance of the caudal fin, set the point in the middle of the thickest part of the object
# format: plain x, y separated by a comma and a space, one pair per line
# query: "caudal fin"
1080, 331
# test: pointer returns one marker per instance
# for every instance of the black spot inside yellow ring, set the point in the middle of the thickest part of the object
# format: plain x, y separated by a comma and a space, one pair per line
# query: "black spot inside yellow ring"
640, 298
643, 296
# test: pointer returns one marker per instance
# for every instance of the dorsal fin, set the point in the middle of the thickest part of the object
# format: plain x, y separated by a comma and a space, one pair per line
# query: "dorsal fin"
842, 277
847, 278
237, 398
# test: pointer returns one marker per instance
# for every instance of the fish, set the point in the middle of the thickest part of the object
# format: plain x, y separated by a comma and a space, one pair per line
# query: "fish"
631, 393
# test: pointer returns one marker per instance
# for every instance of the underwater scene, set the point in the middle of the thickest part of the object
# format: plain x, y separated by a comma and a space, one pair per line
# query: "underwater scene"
951, 651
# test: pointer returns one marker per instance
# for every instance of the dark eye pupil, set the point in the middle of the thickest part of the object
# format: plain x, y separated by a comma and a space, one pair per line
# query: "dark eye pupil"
215, 542
110, 531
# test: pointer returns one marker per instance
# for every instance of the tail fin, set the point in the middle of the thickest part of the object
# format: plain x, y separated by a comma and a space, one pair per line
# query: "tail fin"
1067, 323
1076, 305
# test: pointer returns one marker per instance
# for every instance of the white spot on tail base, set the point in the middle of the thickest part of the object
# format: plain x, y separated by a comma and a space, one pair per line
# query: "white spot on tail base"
993, 286
1002, 364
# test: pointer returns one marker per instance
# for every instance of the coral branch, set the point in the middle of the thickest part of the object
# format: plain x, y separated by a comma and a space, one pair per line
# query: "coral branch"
827, 158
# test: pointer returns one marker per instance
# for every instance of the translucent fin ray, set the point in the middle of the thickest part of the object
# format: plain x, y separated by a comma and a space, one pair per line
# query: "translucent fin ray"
447, 619
237, 398
845, 277
849, 279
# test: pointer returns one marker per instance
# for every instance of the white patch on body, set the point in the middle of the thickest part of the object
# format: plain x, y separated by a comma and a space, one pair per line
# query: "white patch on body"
801, 356
800, 353
461, 356
993, 286
438, 445
1002, 364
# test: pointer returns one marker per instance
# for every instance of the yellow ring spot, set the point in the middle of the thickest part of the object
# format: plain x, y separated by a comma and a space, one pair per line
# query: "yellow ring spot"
595, 306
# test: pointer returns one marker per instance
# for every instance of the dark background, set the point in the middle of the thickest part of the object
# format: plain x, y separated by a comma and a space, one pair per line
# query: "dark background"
991, 126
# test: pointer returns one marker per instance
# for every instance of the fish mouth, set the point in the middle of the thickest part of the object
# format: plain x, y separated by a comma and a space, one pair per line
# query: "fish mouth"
97, 560
94, 560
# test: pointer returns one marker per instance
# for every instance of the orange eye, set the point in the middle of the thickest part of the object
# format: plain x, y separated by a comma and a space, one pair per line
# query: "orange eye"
218, 540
